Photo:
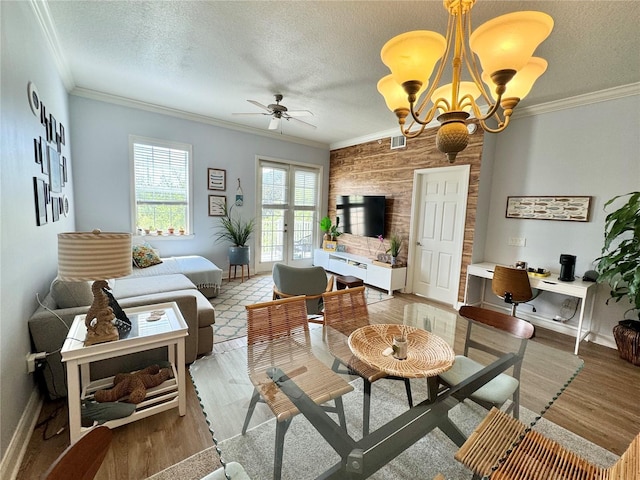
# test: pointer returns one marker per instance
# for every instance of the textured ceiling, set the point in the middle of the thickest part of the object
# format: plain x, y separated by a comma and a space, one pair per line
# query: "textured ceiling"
208, 58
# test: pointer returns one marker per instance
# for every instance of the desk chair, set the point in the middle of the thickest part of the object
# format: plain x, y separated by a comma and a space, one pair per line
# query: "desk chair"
311, 282
512, 285
534, 457
82, 460
497, 391
278, 336
345, 311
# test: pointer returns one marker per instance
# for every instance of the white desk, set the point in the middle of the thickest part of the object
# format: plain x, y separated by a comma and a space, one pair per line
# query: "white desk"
585, 291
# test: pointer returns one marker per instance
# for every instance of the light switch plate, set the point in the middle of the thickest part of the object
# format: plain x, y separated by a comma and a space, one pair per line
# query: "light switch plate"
517, 241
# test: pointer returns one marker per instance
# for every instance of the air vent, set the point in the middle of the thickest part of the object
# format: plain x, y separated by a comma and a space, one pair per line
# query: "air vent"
398, 142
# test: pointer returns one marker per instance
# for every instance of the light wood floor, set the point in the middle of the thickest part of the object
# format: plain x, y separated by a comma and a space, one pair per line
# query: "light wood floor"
600, 405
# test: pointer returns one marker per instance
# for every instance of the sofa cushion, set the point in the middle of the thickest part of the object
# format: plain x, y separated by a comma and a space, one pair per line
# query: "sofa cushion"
71, 294
145, 256
135, 287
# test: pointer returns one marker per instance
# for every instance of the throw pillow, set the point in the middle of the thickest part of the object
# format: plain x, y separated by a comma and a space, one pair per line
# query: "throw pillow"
122, 322
71, 294
145, 256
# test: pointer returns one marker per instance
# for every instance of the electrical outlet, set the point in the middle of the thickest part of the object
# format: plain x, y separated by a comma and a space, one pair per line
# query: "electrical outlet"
517, 241
33, 358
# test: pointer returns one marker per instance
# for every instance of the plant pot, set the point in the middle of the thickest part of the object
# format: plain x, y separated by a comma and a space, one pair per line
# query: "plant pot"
627, 339
239, 255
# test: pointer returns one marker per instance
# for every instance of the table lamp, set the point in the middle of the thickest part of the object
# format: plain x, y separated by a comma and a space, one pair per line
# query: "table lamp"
95, 256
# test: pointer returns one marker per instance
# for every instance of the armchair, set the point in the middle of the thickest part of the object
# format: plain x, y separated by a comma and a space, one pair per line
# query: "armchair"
311, 282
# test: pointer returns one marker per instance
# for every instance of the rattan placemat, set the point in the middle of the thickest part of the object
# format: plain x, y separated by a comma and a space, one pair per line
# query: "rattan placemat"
427, 354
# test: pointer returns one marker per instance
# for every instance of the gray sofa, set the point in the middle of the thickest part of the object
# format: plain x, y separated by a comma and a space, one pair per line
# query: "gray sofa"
51, 321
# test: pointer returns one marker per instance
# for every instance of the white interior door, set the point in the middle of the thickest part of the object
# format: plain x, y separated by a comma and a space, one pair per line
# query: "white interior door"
440, 200
289, 199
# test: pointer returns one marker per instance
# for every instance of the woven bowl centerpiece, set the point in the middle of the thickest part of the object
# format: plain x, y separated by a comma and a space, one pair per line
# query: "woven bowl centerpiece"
427, 354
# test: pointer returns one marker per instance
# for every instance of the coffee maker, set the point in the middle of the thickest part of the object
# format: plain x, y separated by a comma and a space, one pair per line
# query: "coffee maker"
567, 268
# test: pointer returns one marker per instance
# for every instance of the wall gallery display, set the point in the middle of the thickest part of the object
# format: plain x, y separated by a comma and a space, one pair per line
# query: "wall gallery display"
217, 205
563, 208
216, 179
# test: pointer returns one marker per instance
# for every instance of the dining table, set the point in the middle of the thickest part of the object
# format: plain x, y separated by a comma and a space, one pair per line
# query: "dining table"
435, 335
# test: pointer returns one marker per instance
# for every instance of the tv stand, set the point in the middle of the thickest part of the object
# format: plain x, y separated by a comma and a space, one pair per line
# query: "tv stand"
343, 263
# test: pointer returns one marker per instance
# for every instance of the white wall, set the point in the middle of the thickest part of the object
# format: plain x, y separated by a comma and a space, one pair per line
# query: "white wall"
590, 150
102, 169
28, 254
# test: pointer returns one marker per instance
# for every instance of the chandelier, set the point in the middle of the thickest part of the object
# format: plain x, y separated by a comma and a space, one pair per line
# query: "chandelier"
504, 47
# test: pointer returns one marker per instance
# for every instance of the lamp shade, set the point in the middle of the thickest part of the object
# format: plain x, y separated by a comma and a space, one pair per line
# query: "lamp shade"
93, 255
412, 55
393, 93
507, 42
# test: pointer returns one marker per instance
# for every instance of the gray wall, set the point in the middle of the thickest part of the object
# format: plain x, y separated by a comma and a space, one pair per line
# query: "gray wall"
589, 150
102, 169
28, 254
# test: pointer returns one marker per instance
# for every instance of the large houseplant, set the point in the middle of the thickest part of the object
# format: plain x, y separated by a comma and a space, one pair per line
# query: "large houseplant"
619, 266
237, 231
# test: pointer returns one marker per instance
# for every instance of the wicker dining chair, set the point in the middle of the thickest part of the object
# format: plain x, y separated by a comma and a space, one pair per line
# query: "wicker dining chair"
512, 285
345, 311
503, 387
278, 336
534, 457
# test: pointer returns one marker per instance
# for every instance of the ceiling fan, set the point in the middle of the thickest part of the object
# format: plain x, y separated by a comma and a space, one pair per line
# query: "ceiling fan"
278, 112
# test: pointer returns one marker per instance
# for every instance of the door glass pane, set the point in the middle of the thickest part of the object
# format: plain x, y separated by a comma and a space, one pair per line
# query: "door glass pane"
303, 234
305, 189
272, 249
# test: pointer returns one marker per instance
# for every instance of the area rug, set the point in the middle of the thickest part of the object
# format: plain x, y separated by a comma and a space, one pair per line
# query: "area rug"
231, 319
307, 455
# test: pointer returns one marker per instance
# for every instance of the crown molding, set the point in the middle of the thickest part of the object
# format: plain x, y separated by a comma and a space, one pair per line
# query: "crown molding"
150, 107
580, 100
43, 17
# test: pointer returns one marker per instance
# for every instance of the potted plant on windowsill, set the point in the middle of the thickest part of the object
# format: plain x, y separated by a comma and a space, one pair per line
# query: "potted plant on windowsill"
619, 266
237, 231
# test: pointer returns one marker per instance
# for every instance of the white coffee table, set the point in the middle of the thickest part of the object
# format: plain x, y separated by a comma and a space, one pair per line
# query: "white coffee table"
166, 328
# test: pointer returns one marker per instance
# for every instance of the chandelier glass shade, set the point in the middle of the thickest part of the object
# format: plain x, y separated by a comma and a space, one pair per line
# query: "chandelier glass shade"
498, 57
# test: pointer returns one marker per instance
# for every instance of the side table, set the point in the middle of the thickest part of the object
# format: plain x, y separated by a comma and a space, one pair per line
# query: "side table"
153, 326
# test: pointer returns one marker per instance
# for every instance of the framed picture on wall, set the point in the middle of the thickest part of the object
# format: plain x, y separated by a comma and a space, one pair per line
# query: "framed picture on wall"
217, 205
40, 201
216, 179
55, 172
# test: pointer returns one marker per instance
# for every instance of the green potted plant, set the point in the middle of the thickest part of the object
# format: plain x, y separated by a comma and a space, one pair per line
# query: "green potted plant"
237, 231
334, 230
325, 226
395, 244
619, 267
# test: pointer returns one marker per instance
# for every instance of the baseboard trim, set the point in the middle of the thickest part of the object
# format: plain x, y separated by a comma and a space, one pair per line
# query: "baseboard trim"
18, 446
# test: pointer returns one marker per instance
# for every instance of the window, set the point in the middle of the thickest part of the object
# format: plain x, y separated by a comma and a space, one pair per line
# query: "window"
161, 185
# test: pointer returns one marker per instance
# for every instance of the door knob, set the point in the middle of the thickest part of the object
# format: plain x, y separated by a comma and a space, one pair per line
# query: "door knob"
418, 244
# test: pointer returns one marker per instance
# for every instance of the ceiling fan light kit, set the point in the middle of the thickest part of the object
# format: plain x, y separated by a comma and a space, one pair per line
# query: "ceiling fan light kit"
278, 112
504, 47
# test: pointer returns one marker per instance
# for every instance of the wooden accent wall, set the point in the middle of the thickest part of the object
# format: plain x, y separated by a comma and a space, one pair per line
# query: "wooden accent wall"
374, 169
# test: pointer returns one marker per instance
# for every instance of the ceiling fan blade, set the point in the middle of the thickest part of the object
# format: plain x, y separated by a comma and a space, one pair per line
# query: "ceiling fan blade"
306, 124
259, 105
299, 113
274, 124
252, 113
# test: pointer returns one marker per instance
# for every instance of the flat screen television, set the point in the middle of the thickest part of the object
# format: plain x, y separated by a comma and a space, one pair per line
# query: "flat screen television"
361, 214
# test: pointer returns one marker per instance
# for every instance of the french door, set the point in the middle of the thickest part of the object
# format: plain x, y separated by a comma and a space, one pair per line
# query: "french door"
289, 213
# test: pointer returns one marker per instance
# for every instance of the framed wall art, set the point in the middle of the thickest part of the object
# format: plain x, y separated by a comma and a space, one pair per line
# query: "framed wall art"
563, 208
217, 205
55, 172
216, 179
40, 201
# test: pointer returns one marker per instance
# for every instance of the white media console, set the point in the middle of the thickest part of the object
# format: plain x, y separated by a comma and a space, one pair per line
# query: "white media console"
342, 263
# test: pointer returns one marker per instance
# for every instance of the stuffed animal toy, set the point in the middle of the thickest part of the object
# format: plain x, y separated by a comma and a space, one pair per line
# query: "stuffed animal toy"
132, 387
